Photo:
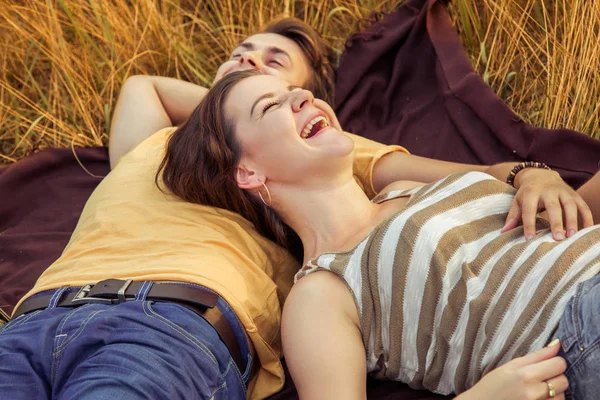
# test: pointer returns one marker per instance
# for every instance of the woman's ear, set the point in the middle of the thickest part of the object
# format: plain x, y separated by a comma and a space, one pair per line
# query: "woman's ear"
248, 179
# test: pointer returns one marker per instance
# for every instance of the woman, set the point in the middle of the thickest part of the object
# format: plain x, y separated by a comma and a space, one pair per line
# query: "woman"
441, 292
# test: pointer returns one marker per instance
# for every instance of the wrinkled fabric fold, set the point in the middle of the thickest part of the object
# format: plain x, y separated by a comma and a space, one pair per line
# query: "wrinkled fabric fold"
406, 80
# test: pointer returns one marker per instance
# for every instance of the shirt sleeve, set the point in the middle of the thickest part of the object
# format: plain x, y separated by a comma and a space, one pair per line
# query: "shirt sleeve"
366, 154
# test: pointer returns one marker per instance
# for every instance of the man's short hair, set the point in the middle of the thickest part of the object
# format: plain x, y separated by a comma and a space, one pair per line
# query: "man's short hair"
321, 58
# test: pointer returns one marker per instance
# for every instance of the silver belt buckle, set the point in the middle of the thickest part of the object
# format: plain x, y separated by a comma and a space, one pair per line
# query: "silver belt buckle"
80, 297
121, 291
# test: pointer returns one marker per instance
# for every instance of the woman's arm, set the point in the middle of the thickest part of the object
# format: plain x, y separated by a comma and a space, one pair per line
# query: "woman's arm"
147, 104
322, 343
524, 378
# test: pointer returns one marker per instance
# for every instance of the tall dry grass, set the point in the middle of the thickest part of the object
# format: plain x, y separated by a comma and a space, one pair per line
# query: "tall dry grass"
541, 56
62, 61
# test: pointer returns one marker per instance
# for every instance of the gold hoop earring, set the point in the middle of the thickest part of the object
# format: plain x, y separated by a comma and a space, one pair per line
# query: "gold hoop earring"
268, 193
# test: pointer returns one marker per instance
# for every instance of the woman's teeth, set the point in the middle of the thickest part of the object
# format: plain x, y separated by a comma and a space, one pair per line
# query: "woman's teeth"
319, 121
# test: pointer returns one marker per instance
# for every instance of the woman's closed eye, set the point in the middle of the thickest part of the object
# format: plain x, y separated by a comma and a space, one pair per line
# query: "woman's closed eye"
269, 105
276, 63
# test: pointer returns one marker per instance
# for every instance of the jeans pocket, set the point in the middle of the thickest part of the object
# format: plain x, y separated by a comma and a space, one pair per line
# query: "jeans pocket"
195, 330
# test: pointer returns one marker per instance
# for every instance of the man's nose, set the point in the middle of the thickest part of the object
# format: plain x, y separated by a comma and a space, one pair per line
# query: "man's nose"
251, 59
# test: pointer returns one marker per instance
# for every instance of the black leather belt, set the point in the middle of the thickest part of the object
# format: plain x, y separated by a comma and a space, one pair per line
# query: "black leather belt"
116, 291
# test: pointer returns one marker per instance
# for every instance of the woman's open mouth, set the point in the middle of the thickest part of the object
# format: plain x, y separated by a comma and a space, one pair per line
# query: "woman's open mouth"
314, 126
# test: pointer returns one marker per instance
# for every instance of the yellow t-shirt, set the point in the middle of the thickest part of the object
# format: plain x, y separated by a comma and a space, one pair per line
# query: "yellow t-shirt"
129, 229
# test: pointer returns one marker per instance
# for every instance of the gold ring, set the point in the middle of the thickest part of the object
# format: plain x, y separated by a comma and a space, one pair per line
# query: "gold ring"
551, 389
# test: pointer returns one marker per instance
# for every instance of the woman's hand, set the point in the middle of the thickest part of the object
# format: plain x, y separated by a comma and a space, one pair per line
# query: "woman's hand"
526, 378
539, 189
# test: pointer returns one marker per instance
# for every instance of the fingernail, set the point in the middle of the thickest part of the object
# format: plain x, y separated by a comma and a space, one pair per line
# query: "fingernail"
559, 236
529, 236
554, 342
571, 232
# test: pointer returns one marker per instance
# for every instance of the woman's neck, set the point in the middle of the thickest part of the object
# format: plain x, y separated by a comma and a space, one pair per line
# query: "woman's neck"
328, 217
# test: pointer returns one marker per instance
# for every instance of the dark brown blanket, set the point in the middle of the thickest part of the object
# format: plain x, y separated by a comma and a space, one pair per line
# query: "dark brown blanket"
407, 80
41, 199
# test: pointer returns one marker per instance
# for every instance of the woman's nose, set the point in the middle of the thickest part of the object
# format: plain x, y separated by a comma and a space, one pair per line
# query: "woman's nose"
301, 99
251, 60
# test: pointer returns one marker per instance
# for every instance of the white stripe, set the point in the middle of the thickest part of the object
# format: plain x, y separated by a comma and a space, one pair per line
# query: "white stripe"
353, 273
425, 246
313, 265
371, 359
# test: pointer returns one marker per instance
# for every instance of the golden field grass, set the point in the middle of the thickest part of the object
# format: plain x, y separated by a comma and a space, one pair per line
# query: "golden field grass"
62, 62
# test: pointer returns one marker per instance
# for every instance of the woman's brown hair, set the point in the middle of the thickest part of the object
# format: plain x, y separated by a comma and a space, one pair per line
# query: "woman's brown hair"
201, 160
320, 57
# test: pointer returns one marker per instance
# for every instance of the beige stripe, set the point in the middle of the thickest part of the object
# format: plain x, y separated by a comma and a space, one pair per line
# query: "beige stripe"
340, 263
540, 298
404, 254
457, 298
447, 247
423, 194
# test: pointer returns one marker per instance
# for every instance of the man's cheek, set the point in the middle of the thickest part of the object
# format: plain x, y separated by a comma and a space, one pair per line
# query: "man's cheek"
224, 69
271, 71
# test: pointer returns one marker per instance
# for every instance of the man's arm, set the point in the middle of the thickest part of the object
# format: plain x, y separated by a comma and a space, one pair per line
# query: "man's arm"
566, 210
146, 105
399, 166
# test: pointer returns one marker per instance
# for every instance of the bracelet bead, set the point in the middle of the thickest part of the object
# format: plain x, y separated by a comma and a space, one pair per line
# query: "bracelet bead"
510, 179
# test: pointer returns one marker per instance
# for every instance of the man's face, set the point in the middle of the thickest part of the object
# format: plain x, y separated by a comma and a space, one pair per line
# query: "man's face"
269, 54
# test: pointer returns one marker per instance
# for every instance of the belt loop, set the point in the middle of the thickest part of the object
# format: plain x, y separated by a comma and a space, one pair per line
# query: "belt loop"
143, 291
56, 297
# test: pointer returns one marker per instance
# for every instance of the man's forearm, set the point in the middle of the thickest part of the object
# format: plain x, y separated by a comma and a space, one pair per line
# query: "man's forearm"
147, 104
138, 114
179, 98
405, 167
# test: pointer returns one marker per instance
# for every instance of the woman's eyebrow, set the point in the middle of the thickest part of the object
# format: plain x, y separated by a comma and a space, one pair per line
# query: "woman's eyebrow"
267, 95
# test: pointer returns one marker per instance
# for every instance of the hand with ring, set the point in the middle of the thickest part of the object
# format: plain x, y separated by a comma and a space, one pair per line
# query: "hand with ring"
535, 376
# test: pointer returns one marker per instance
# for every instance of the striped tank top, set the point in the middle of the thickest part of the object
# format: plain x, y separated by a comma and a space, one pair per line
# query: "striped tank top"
443, 297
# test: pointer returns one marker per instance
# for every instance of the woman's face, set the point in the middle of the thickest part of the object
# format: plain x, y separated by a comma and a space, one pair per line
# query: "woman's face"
269, 54
286, 135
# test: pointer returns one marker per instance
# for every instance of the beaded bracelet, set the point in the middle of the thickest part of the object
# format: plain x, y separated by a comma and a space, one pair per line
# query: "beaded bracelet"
510, 179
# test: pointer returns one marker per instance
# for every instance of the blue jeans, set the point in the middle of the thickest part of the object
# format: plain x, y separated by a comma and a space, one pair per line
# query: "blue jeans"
135, 350
579, 333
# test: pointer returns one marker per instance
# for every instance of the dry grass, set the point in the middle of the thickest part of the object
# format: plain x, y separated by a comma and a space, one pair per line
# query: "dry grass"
541, 56
62, 61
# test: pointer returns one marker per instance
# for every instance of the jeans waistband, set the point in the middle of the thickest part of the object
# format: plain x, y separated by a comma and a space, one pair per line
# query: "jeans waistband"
224, 307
